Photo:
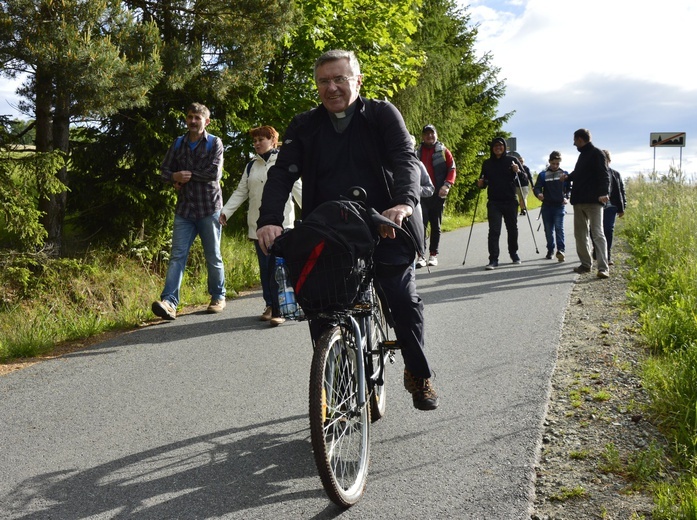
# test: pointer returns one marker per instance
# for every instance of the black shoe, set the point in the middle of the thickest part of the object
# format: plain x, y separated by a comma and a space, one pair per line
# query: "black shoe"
516, 259
492, 265
582, 269
548, 256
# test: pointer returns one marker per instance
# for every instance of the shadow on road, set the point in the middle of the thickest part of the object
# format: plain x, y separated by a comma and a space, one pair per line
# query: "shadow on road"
202, 477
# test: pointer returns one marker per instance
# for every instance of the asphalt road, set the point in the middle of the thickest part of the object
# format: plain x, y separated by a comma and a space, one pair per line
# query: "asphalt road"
206, 416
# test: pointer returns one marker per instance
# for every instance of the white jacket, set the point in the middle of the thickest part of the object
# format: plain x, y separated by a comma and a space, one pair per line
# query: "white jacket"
252, 187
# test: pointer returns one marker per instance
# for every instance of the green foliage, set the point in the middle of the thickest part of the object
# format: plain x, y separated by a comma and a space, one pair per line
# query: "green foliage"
379, 32
662, 233
457, 92
46, 301
676, 501
24, 179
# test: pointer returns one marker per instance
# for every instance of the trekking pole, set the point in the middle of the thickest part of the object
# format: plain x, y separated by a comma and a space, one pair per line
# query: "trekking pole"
474, 216
538, 218
527, 213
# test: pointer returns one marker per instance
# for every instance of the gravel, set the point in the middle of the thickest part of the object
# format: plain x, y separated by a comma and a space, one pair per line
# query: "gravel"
596, 401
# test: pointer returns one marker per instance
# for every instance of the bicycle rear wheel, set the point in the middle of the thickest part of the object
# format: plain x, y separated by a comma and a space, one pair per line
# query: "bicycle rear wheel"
378, 334
339, 428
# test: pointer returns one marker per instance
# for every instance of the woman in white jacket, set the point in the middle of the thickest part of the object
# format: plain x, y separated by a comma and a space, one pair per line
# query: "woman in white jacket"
251, 186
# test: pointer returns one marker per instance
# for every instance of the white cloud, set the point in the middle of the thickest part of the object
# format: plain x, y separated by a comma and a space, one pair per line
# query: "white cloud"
620, 68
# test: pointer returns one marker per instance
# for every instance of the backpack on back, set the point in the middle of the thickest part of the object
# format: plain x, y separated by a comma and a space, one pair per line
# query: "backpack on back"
328, 255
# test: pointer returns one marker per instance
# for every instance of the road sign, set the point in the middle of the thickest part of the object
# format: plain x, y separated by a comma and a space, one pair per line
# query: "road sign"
668, 139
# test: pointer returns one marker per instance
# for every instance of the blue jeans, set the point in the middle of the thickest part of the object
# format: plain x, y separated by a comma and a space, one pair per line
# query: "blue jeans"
553, 221
183, 236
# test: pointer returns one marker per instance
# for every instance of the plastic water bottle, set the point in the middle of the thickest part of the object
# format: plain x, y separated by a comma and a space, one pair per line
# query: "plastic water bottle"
286, 295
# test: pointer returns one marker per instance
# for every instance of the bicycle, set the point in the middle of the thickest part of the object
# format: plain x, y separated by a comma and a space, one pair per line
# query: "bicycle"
347, 382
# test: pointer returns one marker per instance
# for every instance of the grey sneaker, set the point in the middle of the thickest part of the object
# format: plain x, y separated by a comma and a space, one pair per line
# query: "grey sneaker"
216, 306
164, 310
603, 274
560, 256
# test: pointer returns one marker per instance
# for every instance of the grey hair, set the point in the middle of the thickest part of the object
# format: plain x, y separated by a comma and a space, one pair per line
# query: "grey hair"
339, 54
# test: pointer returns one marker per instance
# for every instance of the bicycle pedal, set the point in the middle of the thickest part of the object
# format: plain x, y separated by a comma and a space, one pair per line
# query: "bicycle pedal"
391, 344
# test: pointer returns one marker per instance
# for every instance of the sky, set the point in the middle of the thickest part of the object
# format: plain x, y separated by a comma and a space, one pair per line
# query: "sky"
622, 69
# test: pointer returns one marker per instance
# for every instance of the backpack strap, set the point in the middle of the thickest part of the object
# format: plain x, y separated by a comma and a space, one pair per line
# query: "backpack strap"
249, 166
209, 143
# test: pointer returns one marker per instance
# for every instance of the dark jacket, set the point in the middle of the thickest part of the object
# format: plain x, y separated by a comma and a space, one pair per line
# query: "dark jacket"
500, 180
382, 141
618, 197
553, 186
590, 178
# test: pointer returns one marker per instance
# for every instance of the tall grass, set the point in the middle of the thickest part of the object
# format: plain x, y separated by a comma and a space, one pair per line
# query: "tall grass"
661, 230
45, 302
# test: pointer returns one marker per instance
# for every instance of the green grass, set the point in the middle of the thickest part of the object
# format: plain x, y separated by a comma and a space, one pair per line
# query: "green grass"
45, 302
661, 231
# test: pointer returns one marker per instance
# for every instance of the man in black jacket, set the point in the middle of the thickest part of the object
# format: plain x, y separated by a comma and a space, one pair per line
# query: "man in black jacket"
352, 141
590, 192
501, 175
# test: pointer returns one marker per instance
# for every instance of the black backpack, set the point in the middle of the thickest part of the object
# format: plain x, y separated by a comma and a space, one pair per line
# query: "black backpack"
329, 254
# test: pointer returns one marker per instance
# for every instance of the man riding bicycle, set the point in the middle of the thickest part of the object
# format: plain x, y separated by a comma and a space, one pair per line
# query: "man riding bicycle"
350, 141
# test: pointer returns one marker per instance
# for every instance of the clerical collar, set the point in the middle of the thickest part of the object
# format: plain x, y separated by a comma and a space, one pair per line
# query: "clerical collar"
341, 120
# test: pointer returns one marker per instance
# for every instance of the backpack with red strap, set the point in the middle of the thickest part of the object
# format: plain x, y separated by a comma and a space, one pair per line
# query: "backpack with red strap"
329, 254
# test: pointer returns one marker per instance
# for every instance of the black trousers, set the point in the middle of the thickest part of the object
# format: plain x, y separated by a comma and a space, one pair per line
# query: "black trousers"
396, 282
432, 208
508, 212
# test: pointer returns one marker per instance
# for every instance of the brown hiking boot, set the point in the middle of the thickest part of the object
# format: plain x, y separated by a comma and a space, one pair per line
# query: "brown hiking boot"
422, 391
216, 306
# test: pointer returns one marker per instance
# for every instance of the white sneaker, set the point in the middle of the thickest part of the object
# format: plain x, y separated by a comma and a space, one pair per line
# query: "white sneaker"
421, 262
433, 260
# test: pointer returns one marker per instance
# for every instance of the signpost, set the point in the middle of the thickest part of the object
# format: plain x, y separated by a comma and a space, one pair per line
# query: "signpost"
667, 139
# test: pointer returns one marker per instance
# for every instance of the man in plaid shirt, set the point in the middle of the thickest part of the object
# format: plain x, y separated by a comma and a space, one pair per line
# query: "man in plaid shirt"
194, 166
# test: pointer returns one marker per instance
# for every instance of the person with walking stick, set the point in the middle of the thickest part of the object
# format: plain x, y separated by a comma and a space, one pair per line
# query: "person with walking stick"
500, 175
551, 188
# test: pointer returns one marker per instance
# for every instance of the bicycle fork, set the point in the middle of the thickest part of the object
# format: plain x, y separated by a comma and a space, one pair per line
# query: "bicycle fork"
360, 347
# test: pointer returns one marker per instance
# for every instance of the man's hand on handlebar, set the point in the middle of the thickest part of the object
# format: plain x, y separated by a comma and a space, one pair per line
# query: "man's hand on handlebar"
396, 214
267, 235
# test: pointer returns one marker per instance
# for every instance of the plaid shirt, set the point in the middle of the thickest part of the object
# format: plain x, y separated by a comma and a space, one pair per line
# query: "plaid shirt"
201, 196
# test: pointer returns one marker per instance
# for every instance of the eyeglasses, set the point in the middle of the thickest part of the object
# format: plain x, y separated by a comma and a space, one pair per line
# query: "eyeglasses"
337, 80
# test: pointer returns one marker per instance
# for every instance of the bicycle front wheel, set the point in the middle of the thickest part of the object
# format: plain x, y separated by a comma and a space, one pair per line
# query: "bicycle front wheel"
339, 427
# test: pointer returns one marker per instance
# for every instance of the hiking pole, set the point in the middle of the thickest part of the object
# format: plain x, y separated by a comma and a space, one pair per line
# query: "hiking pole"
538, 218
474, 216
527, 213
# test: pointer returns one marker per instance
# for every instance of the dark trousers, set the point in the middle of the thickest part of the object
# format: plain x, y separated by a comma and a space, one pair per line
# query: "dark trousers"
508, 213
432, 208
609, 217
396, 282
